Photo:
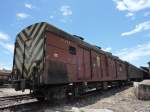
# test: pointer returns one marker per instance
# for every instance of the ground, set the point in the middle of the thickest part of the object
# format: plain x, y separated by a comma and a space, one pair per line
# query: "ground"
114, 100
11, 92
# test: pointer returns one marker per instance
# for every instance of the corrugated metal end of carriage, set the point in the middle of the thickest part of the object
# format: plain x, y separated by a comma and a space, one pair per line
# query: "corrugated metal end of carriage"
28, 61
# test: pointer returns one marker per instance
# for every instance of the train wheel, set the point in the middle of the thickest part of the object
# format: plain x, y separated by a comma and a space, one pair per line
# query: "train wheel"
40, 98
38, 95
1, 83
105, 85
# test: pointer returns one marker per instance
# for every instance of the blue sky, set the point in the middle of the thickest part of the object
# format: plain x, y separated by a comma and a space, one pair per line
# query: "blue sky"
119, 26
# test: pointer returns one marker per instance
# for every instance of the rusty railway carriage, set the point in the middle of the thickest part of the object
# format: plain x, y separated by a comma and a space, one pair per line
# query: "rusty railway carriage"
4, 77
52, 62
134, 72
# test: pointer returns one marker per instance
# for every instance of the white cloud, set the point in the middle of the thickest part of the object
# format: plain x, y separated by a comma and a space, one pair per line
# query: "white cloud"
138, 28
22, 15
29, 6
4, 36
136, 53
129, 14
108, 49
10, 47
7, 46
132, 5
66, 10
66, 13
120, 5
51, 17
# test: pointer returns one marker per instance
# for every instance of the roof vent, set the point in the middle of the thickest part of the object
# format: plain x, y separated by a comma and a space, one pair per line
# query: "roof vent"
98, 47
81, 38
109, 53
115, 57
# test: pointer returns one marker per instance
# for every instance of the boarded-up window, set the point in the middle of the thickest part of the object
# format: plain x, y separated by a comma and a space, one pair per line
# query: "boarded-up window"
72, 50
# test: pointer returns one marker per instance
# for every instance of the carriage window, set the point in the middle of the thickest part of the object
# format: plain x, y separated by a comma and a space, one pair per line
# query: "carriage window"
72, 50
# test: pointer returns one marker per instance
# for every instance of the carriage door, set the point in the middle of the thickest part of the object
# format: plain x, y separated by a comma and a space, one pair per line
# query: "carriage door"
87, 64
84, 69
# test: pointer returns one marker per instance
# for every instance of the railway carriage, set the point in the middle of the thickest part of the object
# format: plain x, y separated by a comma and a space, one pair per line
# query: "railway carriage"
52, 62
134, 73
4, 77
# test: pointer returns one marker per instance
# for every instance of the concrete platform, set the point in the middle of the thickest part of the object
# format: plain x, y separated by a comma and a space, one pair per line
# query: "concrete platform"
142, 90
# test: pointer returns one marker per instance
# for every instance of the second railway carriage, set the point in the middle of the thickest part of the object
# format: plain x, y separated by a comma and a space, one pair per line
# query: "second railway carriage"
50, 62
134, 73
4, 77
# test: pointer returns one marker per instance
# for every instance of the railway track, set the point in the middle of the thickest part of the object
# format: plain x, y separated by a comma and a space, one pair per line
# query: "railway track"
15, 101
25, 103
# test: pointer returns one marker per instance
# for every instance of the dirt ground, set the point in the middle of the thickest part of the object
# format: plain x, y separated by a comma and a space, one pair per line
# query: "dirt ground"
11, 92
115, 100
121, 101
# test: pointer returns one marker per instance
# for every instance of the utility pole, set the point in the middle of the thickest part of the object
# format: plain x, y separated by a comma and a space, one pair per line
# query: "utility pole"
149, 68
